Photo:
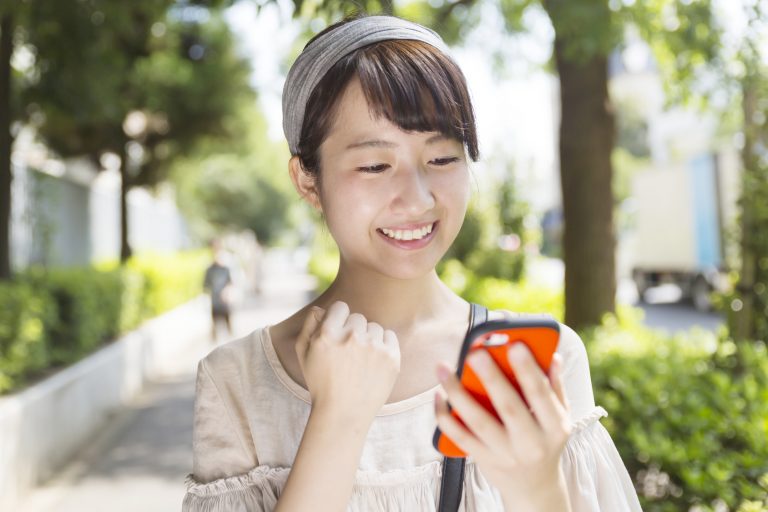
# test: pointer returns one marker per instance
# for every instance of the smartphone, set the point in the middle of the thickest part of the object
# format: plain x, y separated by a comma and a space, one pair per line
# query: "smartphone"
540, 335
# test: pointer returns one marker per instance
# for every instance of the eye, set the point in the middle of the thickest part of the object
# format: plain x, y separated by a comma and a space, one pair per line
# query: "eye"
444, 161
374, 168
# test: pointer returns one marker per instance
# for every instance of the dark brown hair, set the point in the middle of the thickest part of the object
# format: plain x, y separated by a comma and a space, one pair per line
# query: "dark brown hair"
410, 83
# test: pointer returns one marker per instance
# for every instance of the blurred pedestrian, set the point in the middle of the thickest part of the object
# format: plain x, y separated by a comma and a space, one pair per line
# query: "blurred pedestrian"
218, 283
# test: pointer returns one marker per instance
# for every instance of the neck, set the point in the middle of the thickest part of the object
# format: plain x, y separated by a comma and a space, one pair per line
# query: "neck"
395, 304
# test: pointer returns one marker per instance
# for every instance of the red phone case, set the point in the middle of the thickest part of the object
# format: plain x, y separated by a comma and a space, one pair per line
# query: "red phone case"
540, 335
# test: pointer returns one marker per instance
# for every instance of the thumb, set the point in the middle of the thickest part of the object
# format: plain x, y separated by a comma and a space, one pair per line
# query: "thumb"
311, 323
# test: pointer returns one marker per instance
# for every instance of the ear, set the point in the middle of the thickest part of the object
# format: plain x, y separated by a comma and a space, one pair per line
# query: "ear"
305, 183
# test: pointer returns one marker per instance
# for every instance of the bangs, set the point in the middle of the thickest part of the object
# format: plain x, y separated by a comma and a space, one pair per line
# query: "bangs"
417, 88
410, 83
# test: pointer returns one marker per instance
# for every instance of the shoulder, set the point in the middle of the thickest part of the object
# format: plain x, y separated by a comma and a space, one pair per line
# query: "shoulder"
233, 358
570, 347
575, 364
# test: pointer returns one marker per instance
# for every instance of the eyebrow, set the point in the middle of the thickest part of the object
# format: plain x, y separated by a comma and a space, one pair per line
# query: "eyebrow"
380, 143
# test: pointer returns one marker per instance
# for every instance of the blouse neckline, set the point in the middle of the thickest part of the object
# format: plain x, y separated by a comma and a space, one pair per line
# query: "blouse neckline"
301, 393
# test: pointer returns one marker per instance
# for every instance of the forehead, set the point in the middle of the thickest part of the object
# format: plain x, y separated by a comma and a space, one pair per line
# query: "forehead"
355, 121
353, 113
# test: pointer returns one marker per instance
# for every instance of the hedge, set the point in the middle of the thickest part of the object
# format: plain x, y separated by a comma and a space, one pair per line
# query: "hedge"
688, 413
50, 318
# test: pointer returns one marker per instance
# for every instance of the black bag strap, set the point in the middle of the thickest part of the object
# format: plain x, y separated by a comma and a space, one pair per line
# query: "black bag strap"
452, 483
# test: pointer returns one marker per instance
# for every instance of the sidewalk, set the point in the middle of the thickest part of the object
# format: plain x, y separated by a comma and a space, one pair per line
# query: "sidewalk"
140, 458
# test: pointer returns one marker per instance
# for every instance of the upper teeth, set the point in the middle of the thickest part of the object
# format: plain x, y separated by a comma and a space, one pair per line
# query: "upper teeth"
408, 234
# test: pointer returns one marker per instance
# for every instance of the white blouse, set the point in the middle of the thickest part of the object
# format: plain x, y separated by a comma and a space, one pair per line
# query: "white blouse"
247, 404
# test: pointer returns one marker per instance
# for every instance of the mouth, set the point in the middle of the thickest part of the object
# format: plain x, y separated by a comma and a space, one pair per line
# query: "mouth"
415, 237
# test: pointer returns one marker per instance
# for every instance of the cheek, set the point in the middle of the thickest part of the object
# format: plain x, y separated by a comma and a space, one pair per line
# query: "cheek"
455, 189
348, 206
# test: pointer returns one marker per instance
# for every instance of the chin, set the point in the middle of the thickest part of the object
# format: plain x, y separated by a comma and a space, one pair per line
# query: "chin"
406, 270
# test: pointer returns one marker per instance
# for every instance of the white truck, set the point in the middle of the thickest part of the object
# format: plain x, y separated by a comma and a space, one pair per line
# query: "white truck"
681, 217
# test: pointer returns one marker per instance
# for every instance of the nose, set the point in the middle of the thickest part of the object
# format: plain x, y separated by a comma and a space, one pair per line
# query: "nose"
414, 194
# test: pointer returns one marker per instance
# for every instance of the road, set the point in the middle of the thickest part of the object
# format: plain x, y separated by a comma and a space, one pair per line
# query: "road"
662, 307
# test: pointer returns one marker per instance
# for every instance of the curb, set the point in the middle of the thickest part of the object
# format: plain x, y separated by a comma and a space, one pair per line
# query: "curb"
45, 425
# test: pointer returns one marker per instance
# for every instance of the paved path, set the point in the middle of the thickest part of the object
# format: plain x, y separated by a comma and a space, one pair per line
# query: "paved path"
138, 460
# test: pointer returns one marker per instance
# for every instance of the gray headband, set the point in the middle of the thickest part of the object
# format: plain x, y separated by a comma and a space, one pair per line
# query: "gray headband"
325, 51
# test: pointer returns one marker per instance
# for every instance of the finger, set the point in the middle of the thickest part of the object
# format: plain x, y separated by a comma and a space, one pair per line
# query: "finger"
392, 343
356, 328
477, 419
375, 334
335, 318
450, 427
504, 397
556, 379
311, 322
536, 388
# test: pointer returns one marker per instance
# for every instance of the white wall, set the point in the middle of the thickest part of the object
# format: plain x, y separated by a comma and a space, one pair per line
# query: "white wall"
68, 215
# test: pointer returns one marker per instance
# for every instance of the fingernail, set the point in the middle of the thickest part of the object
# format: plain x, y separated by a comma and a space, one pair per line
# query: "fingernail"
443, 373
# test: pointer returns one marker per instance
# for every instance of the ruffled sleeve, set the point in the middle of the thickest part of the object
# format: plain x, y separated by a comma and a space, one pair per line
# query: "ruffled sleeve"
255, 491
595, 474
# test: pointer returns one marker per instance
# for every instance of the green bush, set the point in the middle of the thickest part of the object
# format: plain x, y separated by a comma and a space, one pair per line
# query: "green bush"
689, 414
24, 313
168, 279
476, 246
87, 303
494, 293
53, 317
471, 236
498, 263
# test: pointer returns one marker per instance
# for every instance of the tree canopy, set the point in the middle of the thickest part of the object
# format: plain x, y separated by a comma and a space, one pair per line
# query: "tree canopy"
144, 80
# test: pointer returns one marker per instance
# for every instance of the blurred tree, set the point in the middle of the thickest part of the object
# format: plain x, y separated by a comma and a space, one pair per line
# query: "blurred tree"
12, 16
6, 50
749, 308
679, 29
512, 209
141, 79
682, 28
239, 184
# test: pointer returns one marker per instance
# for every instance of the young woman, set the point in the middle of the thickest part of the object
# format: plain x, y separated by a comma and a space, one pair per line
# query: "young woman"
334, 408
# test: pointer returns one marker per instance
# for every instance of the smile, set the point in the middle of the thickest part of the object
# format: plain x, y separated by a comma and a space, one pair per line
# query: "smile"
414, 238
408, 234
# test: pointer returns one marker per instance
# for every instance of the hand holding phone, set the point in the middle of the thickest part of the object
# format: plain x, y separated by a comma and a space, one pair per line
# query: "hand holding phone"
540, 335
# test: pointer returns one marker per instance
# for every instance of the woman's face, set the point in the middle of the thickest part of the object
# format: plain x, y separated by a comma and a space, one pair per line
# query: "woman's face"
380, 183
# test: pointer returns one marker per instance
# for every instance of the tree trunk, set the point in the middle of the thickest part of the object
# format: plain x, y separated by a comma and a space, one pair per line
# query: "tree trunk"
743, 319
6, 143
586, 143
125, 247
